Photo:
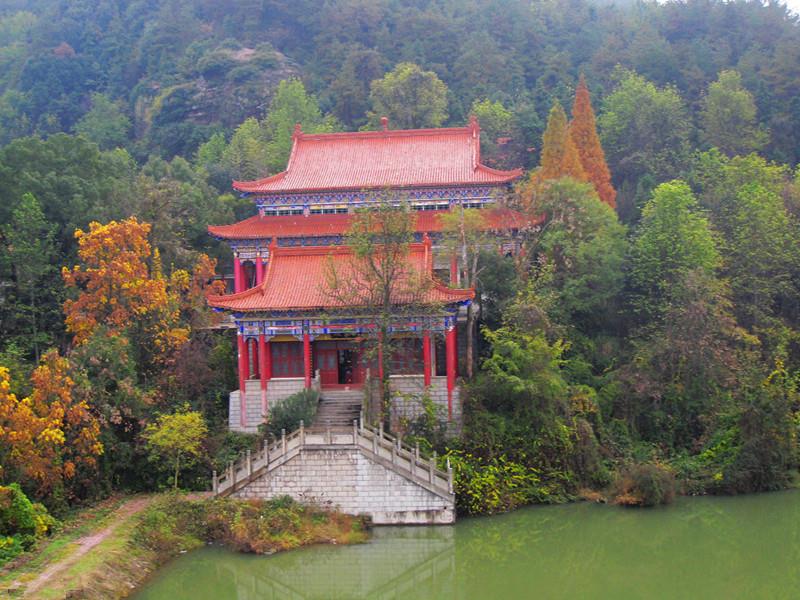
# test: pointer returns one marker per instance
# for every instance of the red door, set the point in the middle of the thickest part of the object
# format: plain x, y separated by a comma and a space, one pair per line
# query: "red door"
328, 365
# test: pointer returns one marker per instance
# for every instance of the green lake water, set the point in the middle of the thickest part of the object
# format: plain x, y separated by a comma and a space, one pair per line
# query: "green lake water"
741, 547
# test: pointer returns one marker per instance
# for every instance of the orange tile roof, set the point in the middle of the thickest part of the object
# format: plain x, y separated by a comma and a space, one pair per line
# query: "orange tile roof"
381, 159
428, 221
297, 280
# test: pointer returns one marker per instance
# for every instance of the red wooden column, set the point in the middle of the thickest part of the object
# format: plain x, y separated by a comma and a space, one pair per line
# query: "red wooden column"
238, 275
307, 359
453, 270
450, 347
380, 356
259, 269
244, 374
265, 367
426, 357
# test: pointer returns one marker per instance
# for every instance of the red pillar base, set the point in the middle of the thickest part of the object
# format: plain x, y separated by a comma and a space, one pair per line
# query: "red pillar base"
243, 360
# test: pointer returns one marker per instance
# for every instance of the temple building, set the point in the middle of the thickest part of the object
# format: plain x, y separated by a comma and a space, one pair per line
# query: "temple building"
293, 331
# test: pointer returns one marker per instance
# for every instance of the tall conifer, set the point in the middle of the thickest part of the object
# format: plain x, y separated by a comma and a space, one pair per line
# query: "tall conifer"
560, 157
583, 132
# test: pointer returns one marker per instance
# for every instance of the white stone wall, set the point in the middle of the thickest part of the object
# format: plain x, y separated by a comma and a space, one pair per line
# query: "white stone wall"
346, 479
277, 390
407, 403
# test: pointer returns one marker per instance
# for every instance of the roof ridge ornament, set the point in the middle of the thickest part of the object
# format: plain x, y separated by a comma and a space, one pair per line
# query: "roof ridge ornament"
474, 126
298, 131
475, 130
385, 123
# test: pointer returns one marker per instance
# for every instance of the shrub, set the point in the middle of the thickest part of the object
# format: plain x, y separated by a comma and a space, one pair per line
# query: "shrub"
10, 547
645, 484
21, 522
216, 64
288, 413
171, 525
488, 486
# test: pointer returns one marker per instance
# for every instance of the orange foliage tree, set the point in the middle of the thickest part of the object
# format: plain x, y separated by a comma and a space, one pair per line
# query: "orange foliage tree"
583, 131
559, 159
121, 288
48, 437
559, 155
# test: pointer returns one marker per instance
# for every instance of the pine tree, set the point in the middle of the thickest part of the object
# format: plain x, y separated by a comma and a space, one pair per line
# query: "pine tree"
583, 132
559, 155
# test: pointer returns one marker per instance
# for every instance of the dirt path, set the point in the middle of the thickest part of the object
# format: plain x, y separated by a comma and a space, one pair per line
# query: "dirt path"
85, 544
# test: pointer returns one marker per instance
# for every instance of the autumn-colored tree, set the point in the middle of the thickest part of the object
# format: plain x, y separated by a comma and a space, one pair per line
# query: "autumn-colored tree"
48, 437
177, 438
560, 157
120, 286
583, 131
196, 288
115, 284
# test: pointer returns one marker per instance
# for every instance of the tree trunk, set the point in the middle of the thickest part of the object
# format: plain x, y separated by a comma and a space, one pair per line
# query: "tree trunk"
470, 339
177, 469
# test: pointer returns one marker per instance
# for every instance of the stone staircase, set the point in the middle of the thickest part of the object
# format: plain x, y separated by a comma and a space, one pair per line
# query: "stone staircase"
250, 475
338, 409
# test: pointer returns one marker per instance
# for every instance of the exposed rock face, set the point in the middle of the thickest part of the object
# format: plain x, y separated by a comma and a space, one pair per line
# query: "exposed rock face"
224, 88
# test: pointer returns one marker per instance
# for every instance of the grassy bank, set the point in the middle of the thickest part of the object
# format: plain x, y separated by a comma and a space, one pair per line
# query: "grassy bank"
110, 555
175, 524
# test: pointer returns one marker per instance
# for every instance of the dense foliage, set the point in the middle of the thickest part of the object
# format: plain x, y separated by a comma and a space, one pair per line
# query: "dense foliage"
22, 522
664, 332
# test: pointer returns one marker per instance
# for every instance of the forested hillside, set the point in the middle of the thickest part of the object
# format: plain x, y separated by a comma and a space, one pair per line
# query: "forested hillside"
658, 327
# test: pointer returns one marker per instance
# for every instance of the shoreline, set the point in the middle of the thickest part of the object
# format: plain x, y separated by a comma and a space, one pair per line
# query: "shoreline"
143, 534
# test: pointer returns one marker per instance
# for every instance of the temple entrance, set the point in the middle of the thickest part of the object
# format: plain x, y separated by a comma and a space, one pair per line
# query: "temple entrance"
348, 365
339, 363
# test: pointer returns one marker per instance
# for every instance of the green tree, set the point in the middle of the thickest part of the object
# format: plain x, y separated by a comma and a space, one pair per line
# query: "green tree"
105, 124
684, 365
728, 117
350, 88
245, 157
410, 97
496, 123
645, 132
673, 238
209, 157
578, 254
176, 438
746, 198
290, 105
70, 177
30, 253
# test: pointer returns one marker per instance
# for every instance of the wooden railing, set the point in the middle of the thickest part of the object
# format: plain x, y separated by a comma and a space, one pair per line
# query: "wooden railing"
376, 444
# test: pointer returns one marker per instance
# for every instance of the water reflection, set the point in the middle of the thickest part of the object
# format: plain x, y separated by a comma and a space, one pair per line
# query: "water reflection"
746, 547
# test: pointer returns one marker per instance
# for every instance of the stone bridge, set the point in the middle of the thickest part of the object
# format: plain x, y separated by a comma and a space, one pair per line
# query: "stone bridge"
358, 470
